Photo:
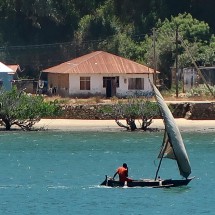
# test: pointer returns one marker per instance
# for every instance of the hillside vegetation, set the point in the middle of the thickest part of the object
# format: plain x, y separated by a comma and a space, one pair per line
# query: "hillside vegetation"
37, 34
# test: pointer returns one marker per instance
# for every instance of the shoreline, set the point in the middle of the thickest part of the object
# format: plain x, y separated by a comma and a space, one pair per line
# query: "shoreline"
110, 125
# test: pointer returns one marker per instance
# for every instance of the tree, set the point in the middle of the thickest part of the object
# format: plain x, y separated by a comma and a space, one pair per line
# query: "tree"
132, 110
102, 30
46, 33
193, 35
23, 110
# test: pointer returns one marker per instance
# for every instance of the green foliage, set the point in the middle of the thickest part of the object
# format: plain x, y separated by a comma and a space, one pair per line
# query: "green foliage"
18, 108
133, 109
194, 36
201, 90
140, 108
66, 29
111, 36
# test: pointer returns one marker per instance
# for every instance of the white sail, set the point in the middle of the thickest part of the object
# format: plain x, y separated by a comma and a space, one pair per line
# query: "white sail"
175, 148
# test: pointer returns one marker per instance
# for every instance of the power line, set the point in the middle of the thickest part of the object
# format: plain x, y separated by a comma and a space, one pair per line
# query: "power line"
70, 43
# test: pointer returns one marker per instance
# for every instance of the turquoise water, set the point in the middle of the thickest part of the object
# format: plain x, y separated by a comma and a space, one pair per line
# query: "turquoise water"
60, 172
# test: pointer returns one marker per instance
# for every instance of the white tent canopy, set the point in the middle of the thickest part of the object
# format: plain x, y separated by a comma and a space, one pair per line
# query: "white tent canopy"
4, 68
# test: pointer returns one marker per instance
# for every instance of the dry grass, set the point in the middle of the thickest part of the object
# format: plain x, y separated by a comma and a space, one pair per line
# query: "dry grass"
91, 100
100, 100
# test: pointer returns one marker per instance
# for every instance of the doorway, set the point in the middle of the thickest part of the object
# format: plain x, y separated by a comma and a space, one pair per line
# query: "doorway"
111, 84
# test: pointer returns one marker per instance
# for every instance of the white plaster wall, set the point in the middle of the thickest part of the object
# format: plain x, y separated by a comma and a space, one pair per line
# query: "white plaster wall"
96, 84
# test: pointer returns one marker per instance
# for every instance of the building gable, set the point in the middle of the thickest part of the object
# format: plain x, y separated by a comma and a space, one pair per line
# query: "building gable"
100, 62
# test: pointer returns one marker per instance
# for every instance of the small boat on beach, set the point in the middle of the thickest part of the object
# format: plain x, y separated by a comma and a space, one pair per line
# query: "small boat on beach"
172, 148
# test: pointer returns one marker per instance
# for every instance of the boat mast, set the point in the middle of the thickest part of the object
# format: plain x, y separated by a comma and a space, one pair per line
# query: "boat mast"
165, 141
154, 57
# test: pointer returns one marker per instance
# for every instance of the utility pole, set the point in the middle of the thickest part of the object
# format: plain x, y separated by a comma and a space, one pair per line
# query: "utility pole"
154, 57
197, 68
176, 62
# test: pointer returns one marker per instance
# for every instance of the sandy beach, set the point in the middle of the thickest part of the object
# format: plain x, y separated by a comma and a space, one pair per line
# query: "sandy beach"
110, 125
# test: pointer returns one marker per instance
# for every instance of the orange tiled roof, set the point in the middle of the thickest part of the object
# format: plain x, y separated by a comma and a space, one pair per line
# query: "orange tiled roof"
14, 67
100, 62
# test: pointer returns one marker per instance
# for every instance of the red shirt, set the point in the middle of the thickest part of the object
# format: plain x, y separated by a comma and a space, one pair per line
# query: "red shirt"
123, 174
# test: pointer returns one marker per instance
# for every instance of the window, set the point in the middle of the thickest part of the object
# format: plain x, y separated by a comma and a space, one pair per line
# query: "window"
105, 79
84, 83
136, 83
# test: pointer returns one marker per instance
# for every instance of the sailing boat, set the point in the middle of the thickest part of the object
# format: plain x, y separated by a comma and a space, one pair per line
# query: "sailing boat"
172, 148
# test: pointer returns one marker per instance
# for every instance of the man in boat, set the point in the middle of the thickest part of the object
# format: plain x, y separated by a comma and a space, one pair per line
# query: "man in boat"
123, 173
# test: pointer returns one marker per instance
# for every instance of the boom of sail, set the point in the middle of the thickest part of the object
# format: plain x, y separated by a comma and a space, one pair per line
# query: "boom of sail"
173, 146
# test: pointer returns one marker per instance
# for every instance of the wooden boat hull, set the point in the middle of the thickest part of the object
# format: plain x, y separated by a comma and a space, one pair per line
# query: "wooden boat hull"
146, 183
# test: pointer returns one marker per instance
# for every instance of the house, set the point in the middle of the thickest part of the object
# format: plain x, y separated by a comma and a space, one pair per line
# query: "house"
7, 75
99, 73
192, 79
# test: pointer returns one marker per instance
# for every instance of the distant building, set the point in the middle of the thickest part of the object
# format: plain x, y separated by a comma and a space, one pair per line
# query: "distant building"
7, 75
192, 79
99, 73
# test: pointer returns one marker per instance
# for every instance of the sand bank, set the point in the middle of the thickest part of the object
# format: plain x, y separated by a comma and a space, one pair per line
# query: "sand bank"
110, 125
